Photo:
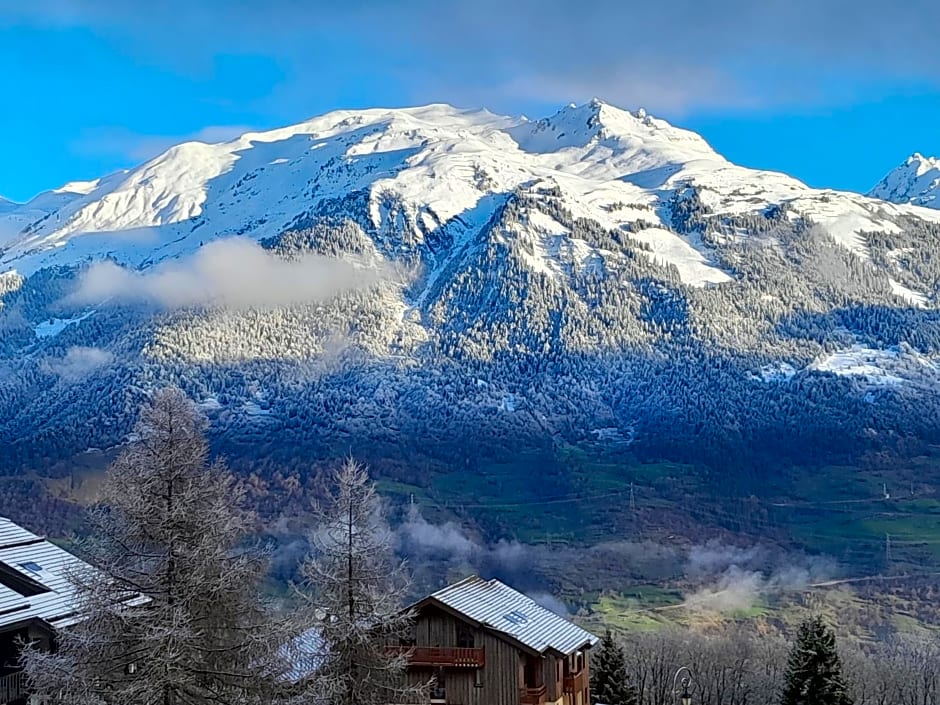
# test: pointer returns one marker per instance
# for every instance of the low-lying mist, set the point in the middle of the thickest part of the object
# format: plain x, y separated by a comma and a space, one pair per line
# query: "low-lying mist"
714, 577
233, 273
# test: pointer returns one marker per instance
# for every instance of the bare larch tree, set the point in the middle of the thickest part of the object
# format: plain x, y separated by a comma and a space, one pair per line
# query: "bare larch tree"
170, 529
355, 586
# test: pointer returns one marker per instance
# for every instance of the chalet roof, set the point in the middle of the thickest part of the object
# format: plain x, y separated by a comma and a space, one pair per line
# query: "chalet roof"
306, 654
34, 578
497, 606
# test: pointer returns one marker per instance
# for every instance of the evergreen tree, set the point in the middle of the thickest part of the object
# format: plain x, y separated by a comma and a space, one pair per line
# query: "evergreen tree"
814, 670
610, 683
355, 587
170, 615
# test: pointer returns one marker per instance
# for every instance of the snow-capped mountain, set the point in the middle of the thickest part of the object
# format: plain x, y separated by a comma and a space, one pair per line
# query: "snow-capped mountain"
16, 217
439, 161
916, 181
389, 269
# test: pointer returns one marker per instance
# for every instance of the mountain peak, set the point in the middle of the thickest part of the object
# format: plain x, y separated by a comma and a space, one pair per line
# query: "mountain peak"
597, 113
915, 181
622, 133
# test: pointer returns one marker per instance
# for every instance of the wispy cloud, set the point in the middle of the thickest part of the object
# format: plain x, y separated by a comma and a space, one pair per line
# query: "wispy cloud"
674, 56
234, 273
78, 363
736, 578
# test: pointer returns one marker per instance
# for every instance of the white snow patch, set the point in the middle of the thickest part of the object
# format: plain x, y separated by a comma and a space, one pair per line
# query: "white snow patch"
539, 260
545, 223
779, 372
912, 297
669, 248
880, 367
857, 360
54, 326
79, 187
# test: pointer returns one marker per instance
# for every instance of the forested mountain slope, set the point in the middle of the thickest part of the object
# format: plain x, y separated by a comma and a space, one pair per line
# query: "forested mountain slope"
423, 282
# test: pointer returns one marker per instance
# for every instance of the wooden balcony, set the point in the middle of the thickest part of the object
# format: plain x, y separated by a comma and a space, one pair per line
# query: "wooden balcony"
12, 687
442, 656
533, 696
576, 682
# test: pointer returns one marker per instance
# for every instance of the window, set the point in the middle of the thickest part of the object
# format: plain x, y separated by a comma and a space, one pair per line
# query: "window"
516, 617
23, 584
438, 688
32, 567
464, 637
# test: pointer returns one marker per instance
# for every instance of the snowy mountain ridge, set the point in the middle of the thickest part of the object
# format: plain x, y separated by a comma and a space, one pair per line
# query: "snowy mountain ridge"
916, 181
439, 160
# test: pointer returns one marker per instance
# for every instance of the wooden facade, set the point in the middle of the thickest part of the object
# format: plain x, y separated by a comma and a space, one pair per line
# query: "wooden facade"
13, 685
471, 664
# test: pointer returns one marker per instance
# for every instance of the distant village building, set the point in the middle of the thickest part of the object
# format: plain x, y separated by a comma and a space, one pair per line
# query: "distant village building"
488, 644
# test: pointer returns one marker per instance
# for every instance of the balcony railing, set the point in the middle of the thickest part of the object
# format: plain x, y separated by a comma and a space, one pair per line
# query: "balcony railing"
533, 696
576, 682
442, 656
12, 687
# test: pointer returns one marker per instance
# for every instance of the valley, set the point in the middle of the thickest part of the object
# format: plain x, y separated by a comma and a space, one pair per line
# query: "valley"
583, 340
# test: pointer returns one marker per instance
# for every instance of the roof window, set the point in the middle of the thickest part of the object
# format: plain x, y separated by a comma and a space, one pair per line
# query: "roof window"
20, 583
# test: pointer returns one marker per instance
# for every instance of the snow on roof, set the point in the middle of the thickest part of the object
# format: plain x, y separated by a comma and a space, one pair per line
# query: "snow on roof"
34, 578
306, 654
497, 606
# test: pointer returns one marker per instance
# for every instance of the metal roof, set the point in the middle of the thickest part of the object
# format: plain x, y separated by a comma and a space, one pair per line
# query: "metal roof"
502, 609
45, 563
306, 654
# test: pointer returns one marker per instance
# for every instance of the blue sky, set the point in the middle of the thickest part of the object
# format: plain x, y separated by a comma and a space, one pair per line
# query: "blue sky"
834, 92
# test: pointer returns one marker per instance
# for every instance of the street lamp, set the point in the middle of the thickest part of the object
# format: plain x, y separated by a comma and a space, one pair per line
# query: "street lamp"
681, 685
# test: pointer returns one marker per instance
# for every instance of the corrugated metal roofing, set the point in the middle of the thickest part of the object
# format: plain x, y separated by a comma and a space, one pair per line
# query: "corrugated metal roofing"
306, 654
499, 607
19, 546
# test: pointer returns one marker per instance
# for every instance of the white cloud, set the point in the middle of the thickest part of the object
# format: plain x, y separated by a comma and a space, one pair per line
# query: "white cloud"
234, 273
78, 363
418, 536
550, 602
737, 577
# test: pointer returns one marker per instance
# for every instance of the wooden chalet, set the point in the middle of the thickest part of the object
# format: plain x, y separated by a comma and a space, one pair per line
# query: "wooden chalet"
37, 600
487, 644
